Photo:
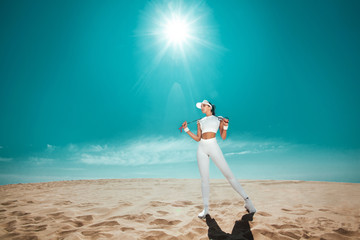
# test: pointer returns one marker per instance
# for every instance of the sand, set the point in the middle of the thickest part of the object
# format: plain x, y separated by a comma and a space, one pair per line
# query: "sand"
168, 208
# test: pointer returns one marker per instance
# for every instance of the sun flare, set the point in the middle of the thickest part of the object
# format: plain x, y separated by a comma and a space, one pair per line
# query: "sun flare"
176, 31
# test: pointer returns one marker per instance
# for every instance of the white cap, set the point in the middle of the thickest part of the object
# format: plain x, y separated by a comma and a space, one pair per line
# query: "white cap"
198, 105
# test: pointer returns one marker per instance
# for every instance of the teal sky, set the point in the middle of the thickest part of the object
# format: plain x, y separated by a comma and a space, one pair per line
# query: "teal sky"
89, 89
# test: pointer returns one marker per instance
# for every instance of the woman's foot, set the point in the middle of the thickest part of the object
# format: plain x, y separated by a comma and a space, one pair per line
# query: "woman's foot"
249, 206
203, 214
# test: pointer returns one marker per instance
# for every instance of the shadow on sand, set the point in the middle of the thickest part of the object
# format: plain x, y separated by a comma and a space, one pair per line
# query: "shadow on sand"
241, 229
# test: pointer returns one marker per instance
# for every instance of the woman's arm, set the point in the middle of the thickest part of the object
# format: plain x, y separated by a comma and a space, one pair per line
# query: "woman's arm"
223, 122
195, 137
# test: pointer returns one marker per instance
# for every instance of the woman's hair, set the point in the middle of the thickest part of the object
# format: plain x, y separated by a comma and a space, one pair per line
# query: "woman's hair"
212, 108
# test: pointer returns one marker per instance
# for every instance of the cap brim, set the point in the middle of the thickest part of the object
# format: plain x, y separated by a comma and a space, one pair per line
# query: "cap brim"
198, 105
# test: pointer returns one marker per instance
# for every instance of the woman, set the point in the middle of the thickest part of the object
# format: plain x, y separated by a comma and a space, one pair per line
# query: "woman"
208, 147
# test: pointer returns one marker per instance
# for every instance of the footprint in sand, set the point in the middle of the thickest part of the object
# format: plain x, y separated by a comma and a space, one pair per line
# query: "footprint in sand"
19, 213
10, 226
11, 235
265, 214
8, 202
199, 207
126, 229
345, 232
160, 221
87, 218
182, 203
84, 205
162, 212
138, 218
333, 236
125, 203
158, 204
200, 230
89, 233
67, 227
105, 224
59, 215
96, 234
284, 226
56, 214
298, 211
226, 203
67, 232
324, 221
32, 220
75, 223
34, 228
266, 233
63, 203
287, 210
155, 235
291, 234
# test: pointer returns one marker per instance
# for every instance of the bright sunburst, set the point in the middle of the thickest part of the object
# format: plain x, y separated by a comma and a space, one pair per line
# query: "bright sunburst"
176, 30
175, 33
176, 25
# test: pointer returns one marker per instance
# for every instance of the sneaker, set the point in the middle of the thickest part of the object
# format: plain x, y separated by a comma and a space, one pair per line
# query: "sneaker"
203, 214
249, 206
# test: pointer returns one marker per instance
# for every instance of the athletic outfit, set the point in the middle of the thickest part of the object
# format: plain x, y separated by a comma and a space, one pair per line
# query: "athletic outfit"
210, 148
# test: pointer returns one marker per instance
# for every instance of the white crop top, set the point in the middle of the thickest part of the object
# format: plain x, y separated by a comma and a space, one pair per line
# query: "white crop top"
209, 124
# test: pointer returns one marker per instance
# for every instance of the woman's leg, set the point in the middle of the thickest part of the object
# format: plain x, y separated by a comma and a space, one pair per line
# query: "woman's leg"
219, 160
203, 163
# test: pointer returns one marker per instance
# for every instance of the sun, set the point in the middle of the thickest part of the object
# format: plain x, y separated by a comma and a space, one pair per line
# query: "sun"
178, 36
177, 27
176, 30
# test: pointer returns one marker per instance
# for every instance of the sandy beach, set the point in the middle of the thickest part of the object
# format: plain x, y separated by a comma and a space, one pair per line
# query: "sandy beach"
168, 208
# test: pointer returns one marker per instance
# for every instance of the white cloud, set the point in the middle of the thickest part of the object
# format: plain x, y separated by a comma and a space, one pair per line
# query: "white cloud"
5, 159
161, 150
97, 148
150, 150
243, 147
238, 153
145, 151
50, 148
72, 147
40, 160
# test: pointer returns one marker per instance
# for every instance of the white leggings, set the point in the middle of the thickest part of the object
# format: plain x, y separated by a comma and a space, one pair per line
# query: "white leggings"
210, 148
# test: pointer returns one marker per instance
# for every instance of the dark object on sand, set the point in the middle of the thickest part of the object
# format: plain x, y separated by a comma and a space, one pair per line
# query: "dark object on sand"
241, 229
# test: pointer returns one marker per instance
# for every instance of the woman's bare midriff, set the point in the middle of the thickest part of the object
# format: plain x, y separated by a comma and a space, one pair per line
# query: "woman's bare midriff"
208, 135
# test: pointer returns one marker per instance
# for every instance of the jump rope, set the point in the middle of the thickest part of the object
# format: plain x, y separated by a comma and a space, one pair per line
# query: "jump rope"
219, 118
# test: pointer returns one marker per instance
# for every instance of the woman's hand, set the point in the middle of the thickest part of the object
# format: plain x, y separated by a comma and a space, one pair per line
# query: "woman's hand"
184, 125
225, 121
